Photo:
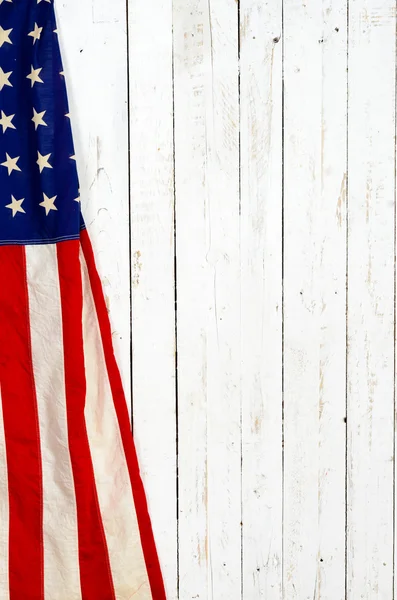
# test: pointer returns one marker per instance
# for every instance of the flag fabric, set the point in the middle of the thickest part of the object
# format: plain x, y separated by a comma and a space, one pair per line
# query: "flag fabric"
74, 522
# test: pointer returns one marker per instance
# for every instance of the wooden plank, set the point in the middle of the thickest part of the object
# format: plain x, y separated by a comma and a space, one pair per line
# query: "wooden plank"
207, 212
152, 244
371, 200
261, 285
95, 62
314, 299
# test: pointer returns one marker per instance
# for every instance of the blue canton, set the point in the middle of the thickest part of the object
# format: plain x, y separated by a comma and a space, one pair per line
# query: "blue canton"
39, 188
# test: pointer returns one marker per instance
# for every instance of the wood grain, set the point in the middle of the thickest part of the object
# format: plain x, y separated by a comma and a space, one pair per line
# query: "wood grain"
152, 269
237, 163
314, 299
371, 198
261, 296
208, 284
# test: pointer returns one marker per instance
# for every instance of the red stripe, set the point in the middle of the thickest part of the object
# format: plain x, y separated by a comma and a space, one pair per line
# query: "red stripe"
21, 430
96, 579
145, 527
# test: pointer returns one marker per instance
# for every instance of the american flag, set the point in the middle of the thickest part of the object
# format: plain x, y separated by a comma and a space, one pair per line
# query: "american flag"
74, 523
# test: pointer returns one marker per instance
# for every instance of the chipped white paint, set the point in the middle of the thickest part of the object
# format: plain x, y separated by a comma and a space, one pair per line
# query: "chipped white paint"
152, 265
281, 407
371, 271
314, 299
261, 297
208, 286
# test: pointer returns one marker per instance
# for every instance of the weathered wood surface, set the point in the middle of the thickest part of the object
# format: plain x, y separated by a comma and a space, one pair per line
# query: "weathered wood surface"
238, 175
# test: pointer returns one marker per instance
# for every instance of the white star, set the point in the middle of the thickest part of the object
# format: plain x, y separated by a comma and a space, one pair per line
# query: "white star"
36, 33
5, 121
15, 206
48, 204
4, 79
5, 36
56, 31
49, 1
42, 161
77, 199
73, 157
62, 73
67, 115
11, 164
38, 118
35, 76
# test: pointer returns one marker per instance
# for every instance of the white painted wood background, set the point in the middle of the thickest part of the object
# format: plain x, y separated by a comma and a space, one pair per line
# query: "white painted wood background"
245, 150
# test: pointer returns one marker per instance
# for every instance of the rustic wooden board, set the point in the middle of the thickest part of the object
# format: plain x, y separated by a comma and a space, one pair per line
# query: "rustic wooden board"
152, 268
208, 290
371, 249
261, 296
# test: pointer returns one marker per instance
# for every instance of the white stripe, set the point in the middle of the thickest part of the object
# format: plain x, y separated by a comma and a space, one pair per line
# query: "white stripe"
60, 534
4, 513
110, 467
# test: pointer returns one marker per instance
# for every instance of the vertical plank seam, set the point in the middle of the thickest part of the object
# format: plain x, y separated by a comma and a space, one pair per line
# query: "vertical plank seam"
395, 314
127, 15
282, 297
347, 300
176, 313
